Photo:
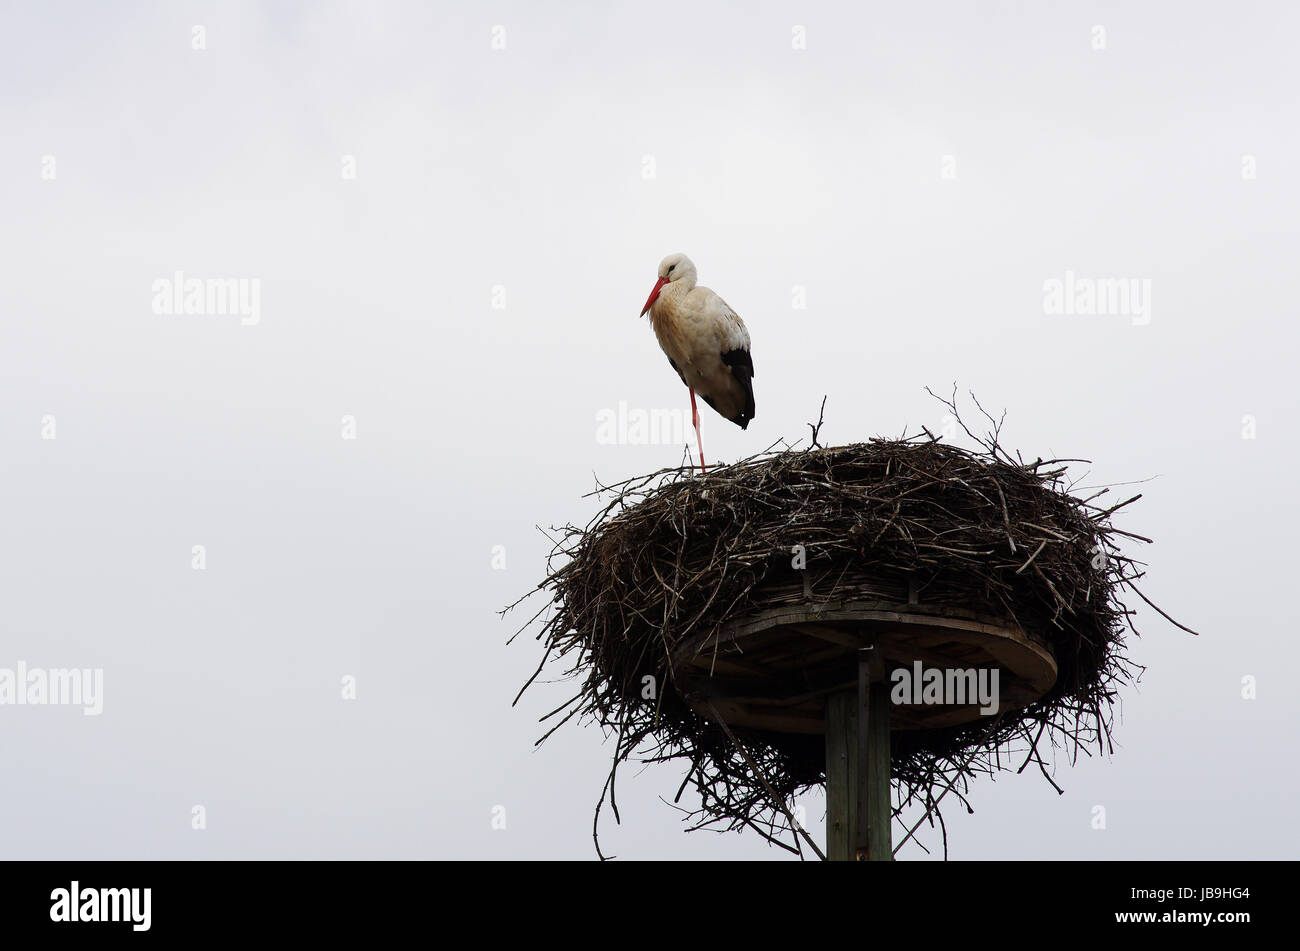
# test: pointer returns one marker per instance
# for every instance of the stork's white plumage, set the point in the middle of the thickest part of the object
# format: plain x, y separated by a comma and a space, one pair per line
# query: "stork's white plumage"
706, 343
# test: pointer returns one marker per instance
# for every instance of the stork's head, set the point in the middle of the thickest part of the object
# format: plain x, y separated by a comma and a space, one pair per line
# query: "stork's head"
674, 268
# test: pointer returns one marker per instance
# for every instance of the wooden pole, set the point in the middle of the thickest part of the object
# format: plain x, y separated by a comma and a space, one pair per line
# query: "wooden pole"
841, 765
878, 810
857, 768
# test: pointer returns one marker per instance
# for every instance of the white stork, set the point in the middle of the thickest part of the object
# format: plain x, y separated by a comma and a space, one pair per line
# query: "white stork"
706, 343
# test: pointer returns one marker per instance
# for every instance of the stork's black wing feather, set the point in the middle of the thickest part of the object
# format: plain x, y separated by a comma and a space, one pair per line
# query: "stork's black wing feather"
742, 368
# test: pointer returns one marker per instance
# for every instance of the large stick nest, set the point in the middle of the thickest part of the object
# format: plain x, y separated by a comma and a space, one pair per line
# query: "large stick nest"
675, 553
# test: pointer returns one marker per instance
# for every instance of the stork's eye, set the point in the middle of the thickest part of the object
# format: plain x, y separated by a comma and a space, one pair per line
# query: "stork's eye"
670, 268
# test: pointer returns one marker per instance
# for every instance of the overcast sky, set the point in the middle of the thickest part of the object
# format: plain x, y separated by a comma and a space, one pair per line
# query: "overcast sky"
454, 214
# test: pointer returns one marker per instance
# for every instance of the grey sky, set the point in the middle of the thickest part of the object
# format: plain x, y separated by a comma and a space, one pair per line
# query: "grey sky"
524, 168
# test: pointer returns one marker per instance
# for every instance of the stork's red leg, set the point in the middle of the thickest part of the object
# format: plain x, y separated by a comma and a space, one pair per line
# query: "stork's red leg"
695, 421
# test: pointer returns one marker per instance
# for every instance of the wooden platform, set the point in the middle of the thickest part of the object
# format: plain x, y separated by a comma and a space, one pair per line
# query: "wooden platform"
774, 670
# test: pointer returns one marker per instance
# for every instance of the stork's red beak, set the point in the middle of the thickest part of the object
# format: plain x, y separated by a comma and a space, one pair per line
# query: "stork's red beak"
653, 294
